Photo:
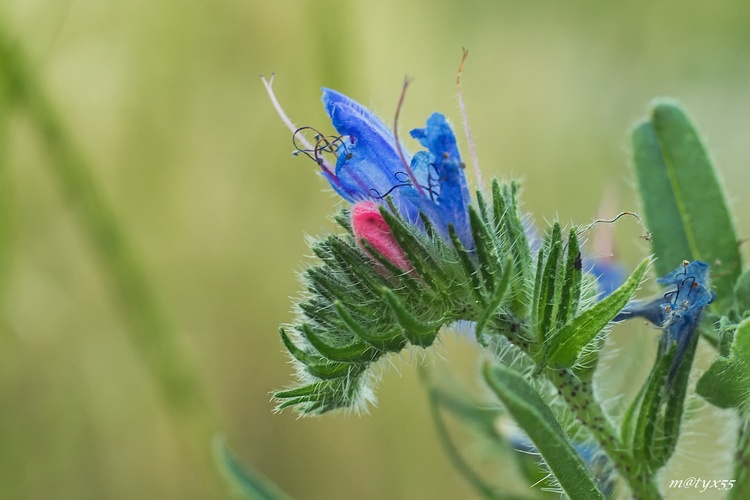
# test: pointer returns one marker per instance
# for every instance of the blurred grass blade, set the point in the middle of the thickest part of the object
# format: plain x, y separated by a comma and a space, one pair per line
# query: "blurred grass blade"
726, 383
684, 205
536, 419
468, 412
566, 346
7, 222
153, 336
250, 484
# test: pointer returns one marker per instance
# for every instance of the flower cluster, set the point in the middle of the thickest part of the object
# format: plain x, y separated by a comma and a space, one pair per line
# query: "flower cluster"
371, 166
679, 310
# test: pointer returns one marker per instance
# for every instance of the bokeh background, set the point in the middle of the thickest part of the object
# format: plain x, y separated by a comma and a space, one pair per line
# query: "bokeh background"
163, 103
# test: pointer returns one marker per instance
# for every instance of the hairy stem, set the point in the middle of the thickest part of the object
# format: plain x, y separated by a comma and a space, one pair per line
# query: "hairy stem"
580, 398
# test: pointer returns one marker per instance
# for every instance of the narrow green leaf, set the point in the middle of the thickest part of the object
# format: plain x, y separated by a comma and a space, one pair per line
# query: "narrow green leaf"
343, 218
315, 365
425, 265
684, 205
250, 484
389, 341
402, 278
496, 300
325, 395
354, 352
726, 383
566, 345
533, 415
511, 233
358, 267
486, 250
470, 270
571, 287
549, 284
669, 431
537, 293
645, 424
416, 331
482, 204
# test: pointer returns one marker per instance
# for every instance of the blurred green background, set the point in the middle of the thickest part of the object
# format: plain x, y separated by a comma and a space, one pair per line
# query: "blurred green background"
163, 101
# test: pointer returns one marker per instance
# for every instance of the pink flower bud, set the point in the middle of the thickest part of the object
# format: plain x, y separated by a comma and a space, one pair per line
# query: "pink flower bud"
369, 225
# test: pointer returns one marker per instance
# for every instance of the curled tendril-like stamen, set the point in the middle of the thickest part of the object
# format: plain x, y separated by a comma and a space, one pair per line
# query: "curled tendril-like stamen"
329, 144
403, 180
680, 280
646, 233
326, 166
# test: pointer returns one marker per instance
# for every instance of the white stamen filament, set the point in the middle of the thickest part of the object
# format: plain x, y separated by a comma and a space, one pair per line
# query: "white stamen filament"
290, 125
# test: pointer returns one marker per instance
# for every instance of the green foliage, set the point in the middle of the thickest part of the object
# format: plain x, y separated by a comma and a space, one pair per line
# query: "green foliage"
726, 383
686, 211
565, 347
541, 318
683, 202
538, 421
361, 307
249, 484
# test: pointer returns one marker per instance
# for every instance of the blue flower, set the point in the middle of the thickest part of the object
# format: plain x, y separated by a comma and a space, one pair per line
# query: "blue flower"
369, 167
679, 310
609, 273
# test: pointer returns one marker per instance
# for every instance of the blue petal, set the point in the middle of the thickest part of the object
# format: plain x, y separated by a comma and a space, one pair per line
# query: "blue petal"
368, 165
609, 275
445, 180
679, 310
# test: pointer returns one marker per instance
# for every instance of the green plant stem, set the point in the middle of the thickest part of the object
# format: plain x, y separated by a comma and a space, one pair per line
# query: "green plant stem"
580, 398
153, 336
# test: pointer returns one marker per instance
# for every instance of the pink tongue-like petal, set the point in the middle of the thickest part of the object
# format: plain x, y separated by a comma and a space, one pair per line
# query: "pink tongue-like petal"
369, 225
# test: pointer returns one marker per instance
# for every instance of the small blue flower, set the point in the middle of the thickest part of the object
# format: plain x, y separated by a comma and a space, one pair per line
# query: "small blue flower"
679, 310
609, 273
370, 168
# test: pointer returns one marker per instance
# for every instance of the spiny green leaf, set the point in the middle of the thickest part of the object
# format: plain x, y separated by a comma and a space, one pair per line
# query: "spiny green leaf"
645, 424
533, 415
509, 228
314, 364
322, 396
669, 424
358, 266
470, 271
354, 352
548, 284
496, 300
416, 252
571, 287
416, 331
684, 205
726, 383
566, 345
486, 250
389, 341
